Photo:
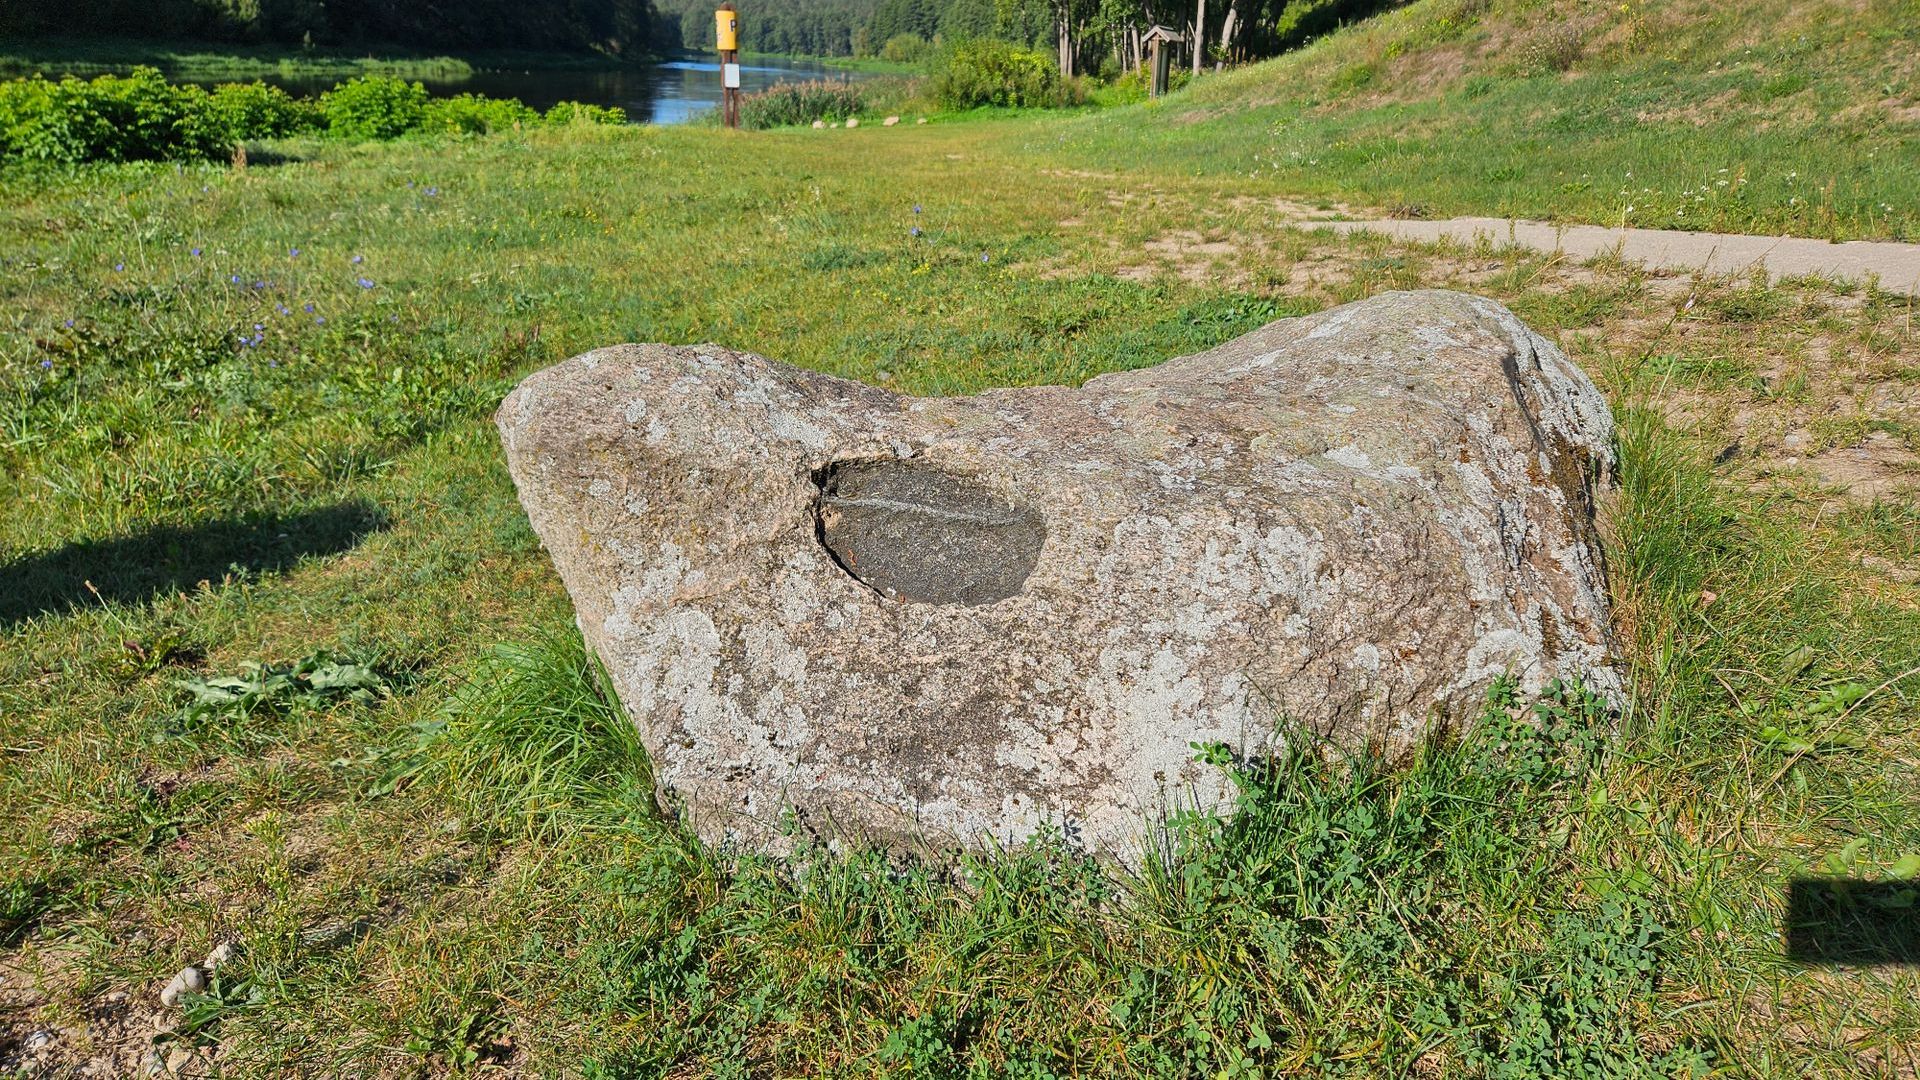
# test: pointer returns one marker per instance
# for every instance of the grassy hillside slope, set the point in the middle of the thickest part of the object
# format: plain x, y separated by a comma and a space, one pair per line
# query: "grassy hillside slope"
1778, 116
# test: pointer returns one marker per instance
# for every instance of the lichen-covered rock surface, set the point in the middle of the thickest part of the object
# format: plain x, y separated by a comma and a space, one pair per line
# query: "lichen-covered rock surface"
926, 622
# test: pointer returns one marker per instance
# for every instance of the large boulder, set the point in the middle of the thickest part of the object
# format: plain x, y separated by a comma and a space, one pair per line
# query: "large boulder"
925, 622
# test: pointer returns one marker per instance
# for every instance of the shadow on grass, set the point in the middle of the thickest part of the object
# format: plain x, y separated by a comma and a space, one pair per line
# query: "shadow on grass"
169, 558
1850, 921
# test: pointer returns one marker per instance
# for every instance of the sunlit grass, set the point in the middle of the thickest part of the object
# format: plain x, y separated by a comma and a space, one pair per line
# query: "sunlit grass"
466, 868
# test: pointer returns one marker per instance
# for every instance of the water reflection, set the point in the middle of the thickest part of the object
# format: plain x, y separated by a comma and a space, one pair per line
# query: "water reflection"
670, 92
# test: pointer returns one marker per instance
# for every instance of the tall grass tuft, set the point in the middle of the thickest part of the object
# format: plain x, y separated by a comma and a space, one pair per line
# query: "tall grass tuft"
535, 743
793, 104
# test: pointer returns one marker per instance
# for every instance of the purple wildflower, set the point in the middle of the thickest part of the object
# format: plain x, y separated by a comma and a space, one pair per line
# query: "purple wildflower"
363, 283
358, 259
308, 308
432, 191
319, 320
195, 253
48, 364
915, 231
984, 257
235, 279
916, 208
284, 310
119, 266
293, 253
69, 324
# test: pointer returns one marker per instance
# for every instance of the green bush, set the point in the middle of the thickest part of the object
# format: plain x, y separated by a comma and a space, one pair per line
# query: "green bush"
799, 103
570, 113
471, 114
374, 107
988, 72
142, 116
906, 49
240, 111
111, 118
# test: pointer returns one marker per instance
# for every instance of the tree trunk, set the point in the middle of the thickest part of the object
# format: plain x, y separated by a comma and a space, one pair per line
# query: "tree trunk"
1226, 32
1199, 34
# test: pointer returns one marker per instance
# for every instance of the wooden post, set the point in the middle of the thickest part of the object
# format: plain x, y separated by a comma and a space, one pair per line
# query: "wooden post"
727, 38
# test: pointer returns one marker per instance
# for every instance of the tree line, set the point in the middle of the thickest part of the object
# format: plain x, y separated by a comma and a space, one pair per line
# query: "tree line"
1093, 37
614, 27
1088, 36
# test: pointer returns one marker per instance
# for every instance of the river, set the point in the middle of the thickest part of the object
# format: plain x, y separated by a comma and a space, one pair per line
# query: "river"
669, 92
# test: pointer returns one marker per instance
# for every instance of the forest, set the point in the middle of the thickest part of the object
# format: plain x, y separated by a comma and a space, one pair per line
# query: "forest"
618, 28
1089, 37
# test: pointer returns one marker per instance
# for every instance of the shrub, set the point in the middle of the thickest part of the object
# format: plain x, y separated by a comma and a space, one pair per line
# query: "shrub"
1549, 50
374, 107
568, 113
142, 116
254, 110
471, 114
111, 118
906, 49
799, 103
1132, 86
988, 72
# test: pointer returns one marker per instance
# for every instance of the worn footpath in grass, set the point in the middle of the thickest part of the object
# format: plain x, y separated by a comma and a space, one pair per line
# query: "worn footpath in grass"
285, 665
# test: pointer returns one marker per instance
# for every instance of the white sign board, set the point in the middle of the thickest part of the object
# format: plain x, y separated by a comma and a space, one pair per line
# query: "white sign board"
730, 76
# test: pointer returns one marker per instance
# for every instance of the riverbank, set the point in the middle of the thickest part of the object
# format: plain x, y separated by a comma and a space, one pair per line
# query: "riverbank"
870, 65
198, 61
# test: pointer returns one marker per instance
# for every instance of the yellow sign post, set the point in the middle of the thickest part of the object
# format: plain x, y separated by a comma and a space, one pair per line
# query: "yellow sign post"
726, 37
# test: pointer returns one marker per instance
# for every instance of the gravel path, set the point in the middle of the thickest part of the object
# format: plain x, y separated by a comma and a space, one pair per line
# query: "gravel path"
1897, 266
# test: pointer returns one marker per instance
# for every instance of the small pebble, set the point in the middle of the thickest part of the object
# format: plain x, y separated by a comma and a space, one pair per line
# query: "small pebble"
179, 1059
853, 121
155, 1064
39, 1039
221, 953
191, 980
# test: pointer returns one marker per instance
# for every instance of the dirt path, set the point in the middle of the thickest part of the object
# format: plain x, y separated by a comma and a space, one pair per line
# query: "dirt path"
1896, 266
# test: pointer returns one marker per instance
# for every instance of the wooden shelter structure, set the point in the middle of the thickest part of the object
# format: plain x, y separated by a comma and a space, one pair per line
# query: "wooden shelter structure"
1160, 40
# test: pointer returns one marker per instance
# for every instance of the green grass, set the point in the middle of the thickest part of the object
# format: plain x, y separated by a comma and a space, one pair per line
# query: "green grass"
432, 833
1774, 117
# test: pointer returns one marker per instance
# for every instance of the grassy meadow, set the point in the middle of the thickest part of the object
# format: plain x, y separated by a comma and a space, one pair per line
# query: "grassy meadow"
284, 665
